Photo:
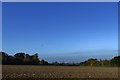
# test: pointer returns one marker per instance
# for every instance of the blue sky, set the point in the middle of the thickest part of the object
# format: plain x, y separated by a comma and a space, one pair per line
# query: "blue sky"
69, 32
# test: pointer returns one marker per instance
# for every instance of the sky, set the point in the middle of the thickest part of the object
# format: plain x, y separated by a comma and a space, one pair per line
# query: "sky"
70, 32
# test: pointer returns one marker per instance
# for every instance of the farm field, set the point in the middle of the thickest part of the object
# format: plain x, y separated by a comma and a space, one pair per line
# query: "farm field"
24, 71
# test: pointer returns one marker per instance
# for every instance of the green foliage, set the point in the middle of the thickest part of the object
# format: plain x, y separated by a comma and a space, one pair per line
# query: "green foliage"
115, 61
21, 59
105, 63
26, 59
4, 57
92, 62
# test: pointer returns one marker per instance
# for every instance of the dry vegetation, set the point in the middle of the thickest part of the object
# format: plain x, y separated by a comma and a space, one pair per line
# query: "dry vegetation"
20, 71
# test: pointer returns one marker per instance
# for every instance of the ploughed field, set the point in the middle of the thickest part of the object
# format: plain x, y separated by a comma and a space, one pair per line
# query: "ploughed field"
29, 71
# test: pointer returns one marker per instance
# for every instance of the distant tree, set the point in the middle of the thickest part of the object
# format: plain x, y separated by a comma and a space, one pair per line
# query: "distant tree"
62, 63
55, 63
27, 59
4, 57
19, 58
83, 63
35, 59
115, 61
92, 62
105, 63
11, 60
44, 62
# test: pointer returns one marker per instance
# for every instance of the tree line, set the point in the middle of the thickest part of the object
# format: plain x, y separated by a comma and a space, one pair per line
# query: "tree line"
21, 59
26, 59
94, 62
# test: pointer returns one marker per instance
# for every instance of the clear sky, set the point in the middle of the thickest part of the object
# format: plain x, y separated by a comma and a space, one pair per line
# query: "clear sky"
69, 32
